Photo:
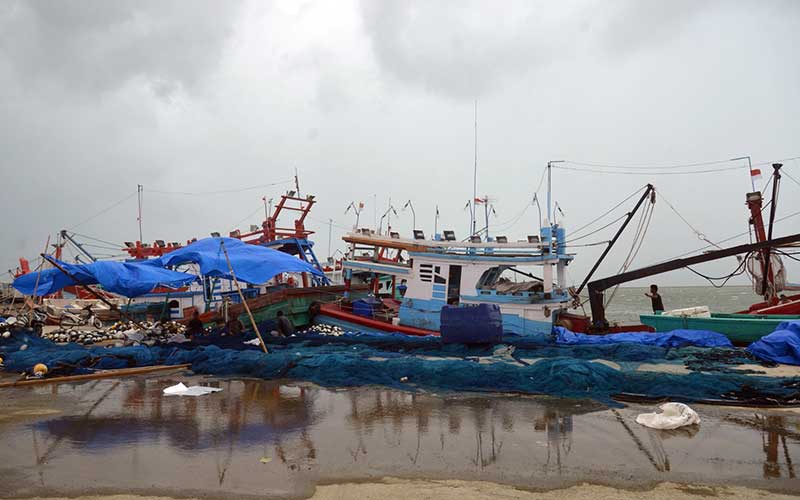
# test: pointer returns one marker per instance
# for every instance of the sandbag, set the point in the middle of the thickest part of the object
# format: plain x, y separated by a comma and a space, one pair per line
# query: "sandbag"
671, 416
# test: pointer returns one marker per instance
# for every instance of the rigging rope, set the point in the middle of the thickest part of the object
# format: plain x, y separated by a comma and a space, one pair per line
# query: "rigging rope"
634, 172
696, 231
221, 191
101, 212
636, 245
609, 211
740, 269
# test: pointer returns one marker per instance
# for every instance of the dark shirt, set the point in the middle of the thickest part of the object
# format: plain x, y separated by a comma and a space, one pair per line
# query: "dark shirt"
235, 327
194, 327
285, 327
658, 305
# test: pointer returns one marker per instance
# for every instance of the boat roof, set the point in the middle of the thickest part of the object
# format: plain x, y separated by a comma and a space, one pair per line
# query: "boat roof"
510, 249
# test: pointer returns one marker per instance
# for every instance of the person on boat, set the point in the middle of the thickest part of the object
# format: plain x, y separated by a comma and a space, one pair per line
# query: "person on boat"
284, 325
403, 287
235, 326
655, 299
195, 326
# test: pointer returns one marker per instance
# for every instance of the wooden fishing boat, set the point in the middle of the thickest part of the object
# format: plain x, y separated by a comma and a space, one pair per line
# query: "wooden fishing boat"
741, 329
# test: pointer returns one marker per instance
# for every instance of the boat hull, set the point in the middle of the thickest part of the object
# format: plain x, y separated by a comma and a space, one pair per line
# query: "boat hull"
335, 315
741, 329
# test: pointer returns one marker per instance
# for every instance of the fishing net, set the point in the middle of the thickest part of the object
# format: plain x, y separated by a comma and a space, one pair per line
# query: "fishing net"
601, 372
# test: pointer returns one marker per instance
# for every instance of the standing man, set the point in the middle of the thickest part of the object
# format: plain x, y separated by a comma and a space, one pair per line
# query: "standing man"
655, 299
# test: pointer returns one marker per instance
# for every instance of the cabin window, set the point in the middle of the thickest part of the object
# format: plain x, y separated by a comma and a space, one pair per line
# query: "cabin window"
490, 277
426, 272
173, 304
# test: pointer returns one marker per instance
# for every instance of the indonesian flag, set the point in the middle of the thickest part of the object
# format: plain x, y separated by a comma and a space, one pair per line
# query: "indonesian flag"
755, 174
480, 200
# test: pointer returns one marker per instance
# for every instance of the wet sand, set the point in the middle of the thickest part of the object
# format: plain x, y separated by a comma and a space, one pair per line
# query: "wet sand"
294, 440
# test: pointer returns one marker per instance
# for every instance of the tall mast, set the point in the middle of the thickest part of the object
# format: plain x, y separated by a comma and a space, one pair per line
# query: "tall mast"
550, 188
475, 171
139, 192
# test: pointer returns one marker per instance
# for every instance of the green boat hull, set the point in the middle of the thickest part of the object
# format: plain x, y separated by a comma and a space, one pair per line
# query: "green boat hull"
741, 329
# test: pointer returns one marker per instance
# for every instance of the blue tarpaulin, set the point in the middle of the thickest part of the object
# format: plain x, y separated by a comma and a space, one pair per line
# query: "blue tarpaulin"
124, 278
675, 338
780, 346
251, 263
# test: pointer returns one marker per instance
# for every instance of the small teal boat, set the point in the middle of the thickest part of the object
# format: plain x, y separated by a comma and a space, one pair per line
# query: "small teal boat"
741, 329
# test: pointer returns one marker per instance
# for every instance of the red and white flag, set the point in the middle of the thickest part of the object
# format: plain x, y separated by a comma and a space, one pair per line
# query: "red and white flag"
755, 174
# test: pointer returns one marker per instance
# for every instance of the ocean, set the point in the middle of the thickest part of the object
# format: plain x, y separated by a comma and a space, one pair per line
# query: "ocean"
629, 303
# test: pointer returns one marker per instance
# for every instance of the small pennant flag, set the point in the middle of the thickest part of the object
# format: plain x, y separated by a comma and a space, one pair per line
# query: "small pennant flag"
755, 174
480, 200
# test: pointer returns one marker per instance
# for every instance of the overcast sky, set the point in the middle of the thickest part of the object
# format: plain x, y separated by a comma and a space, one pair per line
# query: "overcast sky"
374, 100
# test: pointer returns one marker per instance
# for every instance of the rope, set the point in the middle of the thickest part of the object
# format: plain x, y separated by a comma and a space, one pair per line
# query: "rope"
101, 212
694, 229
634, 172
599, 229
736, 272
638, 240
610, 210
221, 191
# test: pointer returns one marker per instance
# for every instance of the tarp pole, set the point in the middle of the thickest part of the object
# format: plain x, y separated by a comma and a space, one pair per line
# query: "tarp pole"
241, 296
89, 289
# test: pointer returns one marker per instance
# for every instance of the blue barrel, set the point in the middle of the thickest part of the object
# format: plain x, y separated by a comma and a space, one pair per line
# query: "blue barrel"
478, 324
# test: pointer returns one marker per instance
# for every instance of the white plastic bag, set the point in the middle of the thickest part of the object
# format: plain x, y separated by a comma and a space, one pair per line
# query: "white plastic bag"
671, 416
180, 389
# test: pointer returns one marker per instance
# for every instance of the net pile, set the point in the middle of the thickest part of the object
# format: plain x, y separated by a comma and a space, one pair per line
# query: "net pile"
601, 372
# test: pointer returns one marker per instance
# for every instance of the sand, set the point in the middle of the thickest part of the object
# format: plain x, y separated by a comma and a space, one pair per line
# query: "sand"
421, 489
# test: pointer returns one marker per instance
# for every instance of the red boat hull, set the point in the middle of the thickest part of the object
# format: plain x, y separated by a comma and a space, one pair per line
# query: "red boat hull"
336, 312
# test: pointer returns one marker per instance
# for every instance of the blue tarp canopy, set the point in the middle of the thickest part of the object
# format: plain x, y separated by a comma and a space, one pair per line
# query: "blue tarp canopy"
123, 278
251, 263
780, 346
675, 338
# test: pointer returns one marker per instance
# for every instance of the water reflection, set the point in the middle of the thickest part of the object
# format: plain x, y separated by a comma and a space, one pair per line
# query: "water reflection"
255, 427
774, 433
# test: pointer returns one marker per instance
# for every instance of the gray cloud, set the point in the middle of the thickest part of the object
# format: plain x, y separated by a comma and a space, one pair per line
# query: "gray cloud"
464, 50
100, 46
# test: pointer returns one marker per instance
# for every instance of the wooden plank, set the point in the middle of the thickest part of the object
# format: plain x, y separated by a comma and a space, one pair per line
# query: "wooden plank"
91, 376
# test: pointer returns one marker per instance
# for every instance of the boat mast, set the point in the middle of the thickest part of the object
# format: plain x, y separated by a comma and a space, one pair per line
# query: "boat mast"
139, 192
769, 293
475, 171
549, 189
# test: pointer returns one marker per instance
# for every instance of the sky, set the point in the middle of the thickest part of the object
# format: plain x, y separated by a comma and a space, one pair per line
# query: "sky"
211, 106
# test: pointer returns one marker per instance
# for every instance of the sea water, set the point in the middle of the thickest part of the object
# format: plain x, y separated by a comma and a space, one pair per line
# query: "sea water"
628, 303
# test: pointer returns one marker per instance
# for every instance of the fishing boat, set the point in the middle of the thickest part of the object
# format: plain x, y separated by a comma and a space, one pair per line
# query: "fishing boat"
213, 297
443, 272
760, 260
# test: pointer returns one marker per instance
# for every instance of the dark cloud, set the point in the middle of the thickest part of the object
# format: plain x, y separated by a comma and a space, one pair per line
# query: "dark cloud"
464, 50
100, 46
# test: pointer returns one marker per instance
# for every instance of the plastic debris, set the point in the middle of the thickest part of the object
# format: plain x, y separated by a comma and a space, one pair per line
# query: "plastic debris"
671, 416
255, 342
265, 460
180, 389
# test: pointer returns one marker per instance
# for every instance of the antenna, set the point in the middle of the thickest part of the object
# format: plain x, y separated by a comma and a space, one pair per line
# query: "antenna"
413, 214
139, 194
357, 209
475, 171
549, 189
297, 182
